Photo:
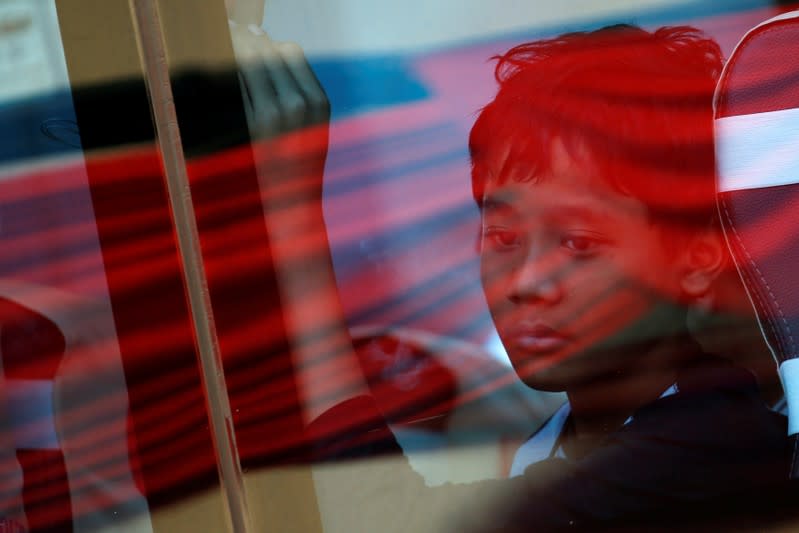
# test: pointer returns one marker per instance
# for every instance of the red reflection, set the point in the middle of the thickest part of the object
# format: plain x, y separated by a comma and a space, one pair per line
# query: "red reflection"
666, 163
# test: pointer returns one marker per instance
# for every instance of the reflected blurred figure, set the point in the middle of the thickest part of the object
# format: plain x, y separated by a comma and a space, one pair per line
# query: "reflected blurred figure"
65, 461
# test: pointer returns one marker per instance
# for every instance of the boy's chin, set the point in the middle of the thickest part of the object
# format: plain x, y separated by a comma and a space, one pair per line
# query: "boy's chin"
551, 373
599, 365
552, 380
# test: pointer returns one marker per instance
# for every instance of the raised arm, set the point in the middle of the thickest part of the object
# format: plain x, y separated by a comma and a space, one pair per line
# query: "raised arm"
288, 114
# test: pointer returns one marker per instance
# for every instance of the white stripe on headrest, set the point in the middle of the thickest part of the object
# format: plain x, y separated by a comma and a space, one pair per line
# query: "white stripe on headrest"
789, 373
759, 150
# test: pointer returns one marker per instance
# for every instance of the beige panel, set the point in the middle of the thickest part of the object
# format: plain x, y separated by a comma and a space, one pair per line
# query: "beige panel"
278, 504
101, 47
99, 41
282, 500
248, 11
200, 40
196, 514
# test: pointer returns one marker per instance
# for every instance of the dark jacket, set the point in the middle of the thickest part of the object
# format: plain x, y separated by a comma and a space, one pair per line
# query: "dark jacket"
711, 456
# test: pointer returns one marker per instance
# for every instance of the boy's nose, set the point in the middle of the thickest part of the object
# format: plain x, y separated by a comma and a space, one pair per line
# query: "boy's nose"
537, 279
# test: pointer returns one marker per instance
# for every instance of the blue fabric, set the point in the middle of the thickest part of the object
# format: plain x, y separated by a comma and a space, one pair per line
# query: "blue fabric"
22, 135
360, 84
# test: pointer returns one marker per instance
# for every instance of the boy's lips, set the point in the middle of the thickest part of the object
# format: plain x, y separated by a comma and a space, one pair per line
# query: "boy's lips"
537, 338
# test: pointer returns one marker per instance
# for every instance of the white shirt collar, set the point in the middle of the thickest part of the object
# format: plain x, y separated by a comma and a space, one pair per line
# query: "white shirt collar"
544, 443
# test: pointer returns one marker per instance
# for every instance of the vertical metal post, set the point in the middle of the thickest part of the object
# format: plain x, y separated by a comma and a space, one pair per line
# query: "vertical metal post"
152, 50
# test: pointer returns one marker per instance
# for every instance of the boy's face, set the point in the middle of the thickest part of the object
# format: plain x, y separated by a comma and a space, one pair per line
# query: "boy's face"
576, 276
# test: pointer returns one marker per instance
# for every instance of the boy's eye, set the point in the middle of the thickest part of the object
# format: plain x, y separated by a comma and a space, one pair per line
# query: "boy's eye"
581, 244
502, 238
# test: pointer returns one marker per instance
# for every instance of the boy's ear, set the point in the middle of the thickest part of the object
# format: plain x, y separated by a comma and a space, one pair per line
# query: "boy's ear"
703, 259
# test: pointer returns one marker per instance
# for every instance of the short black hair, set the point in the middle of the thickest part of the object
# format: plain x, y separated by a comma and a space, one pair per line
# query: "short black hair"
640, 101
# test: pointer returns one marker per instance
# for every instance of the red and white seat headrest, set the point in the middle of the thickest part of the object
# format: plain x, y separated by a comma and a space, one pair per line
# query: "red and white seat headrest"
757, 147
